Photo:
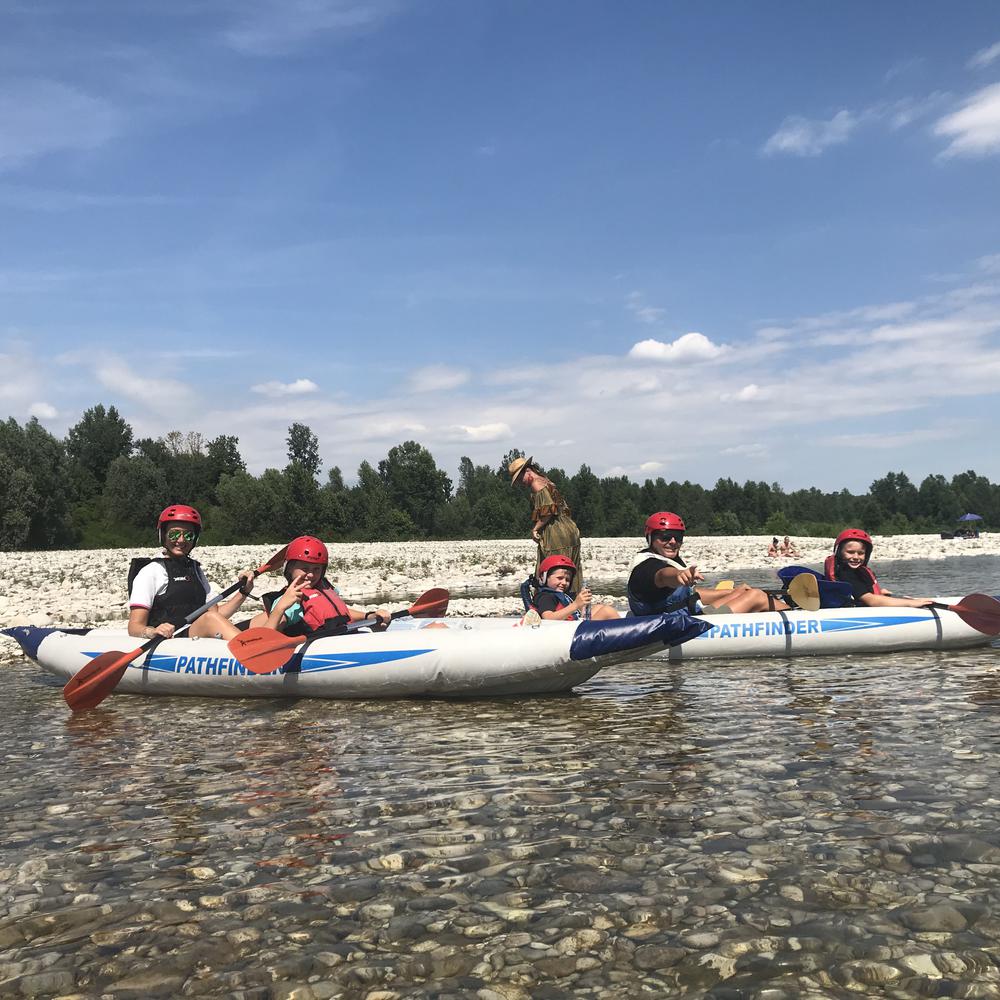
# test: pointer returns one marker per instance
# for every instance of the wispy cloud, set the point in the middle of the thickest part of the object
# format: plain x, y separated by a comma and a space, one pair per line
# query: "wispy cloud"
280, 27
974, 129
483, 433
635, 304
38, 117
156, 392
810, 137
437, 378
797, 136
688, 348
277, 390
43, 410
984, 57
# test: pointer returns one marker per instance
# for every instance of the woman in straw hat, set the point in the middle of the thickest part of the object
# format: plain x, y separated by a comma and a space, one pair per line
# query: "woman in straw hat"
553, 529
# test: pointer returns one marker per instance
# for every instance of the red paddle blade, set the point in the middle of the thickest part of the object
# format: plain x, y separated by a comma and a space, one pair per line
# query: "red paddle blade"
432, 604
93, 682
274, 562
979, 611
263, 650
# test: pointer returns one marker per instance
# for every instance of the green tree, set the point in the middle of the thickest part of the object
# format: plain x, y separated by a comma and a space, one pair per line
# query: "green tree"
135, 492
100, 436
303, 449
414, 484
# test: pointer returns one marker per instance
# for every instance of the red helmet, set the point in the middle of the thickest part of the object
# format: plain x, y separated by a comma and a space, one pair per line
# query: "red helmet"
307, 548
665, 520
854, 535
549, 563
181, 513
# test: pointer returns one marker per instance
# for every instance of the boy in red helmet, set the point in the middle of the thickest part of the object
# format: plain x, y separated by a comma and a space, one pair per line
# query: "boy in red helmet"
555, 600
659, 579
310, 601
849, 563
167, 589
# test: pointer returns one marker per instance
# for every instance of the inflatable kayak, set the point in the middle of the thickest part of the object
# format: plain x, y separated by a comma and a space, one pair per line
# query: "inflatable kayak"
827, 632
444, 662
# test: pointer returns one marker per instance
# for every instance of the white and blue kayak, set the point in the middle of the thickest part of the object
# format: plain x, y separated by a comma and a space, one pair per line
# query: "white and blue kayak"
826, 632
453, 661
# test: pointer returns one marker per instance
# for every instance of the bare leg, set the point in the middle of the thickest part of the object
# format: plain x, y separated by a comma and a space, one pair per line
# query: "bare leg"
744, 599
603, 613
211, 624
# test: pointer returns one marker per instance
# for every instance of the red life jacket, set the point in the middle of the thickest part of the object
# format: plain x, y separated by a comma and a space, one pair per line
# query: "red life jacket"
319, 606
830, 571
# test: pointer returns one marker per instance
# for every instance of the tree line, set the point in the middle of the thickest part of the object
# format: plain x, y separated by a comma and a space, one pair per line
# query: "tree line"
101, 487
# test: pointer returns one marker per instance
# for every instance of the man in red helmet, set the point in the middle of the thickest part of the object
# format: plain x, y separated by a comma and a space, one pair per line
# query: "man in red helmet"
659, 579
310, 602
163, 591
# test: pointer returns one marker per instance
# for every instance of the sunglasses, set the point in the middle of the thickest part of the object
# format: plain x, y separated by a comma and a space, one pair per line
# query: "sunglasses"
181, 534
665, 536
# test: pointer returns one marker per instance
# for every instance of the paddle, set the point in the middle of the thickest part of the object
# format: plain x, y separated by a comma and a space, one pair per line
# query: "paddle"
832, 593
804, 591
978, 611
264, 650
92, 683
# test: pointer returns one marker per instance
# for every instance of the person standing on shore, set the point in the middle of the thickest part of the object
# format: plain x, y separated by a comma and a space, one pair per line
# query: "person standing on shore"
553, 528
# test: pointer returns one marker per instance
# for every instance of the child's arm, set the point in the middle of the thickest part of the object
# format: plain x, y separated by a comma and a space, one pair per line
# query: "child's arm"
563, 612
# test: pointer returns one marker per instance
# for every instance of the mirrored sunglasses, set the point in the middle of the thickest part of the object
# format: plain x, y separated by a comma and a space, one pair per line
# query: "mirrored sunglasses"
181, 534
665, 536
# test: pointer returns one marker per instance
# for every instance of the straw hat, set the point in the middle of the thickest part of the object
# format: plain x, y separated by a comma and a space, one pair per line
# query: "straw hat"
517, 469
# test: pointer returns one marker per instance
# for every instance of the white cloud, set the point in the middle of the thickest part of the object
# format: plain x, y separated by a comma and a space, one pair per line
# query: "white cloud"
749, 393
687, 348
985, 56
42, 116
43, 410
974, 129
650, 467
275, 390
437, 378
798, 136
155, 392
484, 432
752, 450
279, 27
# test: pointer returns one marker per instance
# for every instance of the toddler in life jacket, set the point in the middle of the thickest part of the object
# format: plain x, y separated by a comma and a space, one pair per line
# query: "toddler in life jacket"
310, 602
555, 601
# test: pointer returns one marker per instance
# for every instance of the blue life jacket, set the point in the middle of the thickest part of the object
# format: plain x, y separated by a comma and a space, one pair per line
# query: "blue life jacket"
672, 600
530, 591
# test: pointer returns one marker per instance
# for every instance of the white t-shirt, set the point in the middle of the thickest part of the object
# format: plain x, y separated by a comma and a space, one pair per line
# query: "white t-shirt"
151, 582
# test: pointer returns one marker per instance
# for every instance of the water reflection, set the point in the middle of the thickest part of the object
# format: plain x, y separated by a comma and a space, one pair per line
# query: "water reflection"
724, 829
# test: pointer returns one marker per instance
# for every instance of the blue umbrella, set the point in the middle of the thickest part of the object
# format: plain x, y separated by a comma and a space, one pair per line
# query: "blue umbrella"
970, 517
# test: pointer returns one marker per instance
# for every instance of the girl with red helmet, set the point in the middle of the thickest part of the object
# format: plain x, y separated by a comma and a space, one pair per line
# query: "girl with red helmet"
163, 591
310, 601
660, 580
852, 549
555, 600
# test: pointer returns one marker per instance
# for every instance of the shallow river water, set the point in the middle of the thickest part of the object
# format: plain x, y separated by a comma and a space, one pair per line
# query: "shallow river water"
728, 829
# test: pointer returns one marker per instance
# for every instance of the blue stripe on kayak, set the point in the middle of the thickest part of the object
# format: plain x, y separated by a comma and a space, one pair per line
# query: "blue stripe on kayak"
228, 666
764, 627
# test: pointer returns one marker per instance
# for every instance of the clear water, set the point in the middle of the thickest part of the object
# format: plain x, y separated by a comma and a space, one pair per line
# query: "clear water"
759, 829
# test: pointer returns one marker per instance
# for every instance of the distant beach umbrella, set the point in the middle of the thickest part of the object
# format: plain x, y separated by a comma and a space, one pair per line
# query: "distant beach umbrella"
970, 517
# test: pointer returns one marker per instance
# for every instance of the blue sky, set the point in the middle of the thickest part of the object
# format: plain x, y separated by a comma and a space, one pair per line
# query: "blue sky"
748, 240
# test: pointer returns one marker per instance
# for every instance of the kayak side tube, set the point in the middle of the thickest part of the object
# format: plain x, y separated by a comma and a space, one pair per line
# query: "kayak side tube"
625, 635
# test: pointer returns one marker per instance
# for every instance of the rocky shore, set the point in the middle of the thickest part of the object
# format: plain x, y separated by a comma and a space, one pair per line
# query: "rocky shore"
88, 587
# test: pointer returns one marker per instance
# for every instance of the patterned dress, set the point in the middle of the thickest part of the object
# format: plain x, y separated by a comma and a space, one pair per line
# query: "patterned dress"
561, 536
